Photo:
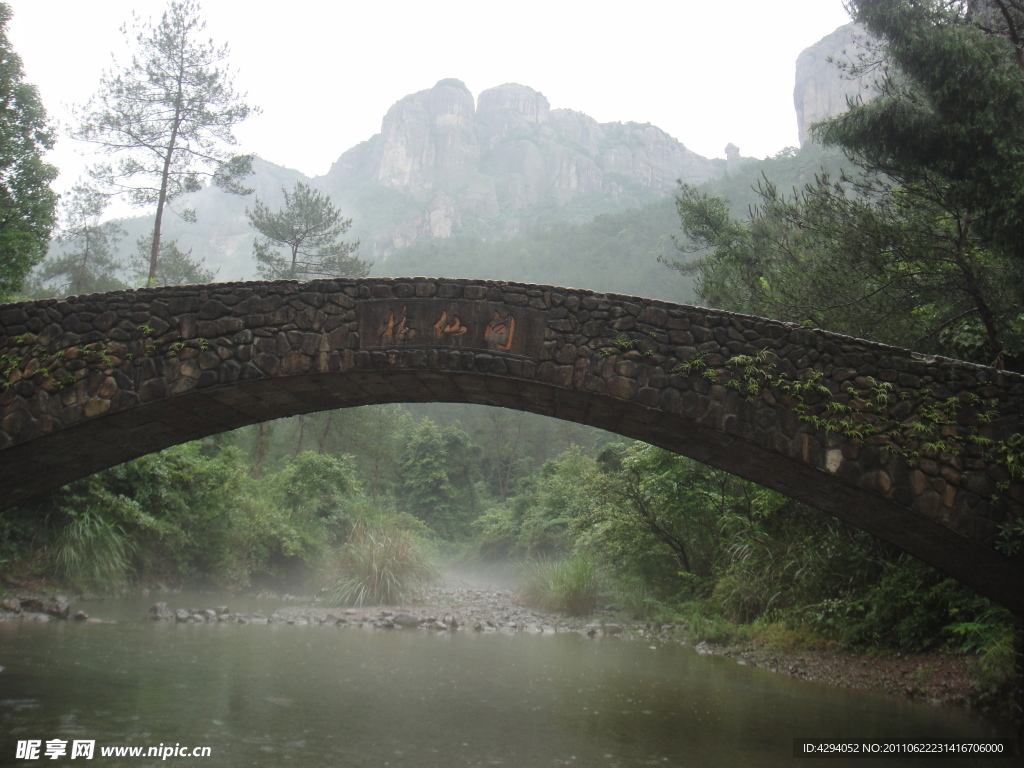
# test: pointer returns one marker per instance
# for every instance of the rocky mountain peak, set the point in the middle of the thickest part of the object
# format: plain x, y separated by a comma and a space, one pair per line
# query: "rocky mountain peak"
822, 86
499, 164
522, 100
423, 138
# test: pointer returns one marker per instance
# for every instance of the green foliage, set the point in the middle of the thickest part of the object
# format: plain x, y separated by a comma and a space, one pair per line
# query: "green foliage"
633, 595
944, 131
658, 516
801, 570
379, 564
93, 555
168, 118
703, 624
312, 499
861, 257
785, 557
27, 204
945, 123
989, 635
911, 607
919, 245
315, 486
177, 505
309, 229
571, 585
173, 266
540, 518
436, 479
193, 513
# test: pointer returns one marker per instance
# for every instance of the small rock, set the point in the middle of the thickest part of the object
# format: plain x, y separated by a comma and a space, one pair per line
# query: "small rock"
406, 620
182, 615
59, 608
81, 616
159, 611
12, 604
31, 604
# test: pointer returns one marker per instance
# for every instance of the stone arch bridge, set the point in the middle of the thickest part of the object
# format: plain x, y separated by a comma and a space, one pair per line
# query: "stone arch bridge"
915, 450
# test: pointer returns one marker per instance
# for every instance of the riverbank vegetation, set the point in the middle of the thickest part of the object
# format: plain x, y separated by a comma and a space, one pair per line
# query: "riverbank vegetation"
363, 506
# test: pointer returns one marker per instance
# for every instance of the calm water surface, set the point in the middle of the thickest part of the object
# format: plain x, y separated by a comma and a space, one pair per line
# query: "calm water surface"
272, 695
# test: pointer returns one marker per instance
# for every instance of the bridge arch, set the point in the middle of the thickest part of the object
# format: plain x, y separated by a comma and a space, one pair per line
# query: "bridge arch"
912, 449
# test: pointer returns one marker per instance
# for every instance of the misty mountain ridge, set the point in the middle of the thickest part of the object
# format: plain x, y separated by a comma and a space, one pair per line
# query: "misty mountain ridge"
445, 164
452, 183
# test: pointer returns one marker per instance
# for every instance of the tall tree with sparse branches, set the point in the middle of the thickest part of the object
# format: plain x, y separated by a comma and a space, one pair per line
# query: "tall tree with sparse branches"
27, 204
167, 118
302, 240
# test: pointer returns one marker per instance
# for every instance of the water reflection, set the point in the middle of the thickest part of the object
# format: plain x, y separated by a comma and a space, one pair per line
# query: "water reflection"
279, 694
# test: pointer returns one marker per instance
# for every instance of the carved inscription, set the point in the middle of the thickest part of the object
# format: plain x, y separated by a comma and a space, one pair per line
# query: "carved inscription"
442, 326
398, 330
501, 330
454, 323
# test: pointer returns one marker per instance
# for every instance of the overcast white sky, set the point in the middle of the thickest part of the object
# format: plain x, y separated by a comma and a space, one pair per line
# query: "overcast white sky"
325, 73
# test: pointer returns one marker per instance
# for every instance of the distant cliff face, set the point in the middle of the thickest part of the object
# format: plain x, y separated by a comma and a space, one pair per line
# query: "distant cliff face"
822, 88
494, 164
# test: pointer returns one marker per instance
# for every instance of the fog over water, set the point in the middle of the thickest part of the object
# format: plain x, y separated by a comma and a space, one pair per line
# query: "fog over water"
273, 695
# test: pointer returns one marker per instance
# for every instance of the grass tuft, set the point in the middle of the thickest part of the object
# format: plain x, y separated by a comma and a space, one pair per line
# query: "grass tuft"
379, 564
571, 586
94, 555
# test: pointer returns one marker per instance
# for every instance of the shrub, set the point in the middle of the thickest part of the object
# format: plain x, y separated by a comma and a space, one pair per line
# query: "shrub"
380, 564
634, 596
704, 625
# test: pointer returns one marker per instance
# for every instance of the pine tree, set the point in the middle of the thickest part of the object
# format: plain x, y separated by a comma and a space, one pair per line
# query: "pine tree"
308, 229
168, 118
924, 244
86, 262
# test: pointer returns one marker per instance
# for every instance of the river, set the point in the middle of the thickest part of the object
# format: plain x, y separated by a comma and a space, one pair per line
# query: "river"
280, 694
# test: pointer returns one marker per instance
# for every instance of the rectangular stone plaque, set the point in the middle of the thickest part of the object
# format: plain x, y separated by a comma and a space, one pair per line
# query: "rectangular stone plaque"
459, 323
